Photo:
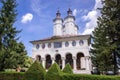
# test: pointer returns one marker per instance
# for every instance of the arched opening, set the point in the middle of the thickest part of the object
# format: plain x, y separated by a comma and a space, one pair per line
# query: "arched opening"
80, 61
58, 60
38, 58
69, 59
48, 61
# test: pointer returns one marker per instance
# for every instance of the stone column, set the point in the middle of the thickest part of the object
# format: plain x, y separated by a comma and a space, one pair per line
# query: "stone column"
87, 62
74, 63
43, 62
63, 62
83, 63
53, 60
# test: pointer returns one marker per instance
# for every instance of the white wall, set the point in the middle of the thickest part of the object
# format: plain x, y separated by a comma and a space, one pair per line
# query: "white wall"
63, 50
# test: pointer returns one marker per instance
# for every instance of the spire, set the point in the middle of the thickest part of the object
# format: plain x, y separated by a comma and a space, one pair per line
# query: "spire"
69, 12
58, 14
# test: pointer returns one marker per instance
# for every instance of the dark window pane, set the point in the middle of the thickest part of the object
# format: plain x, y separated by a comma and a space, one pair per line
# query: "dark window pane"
57, 44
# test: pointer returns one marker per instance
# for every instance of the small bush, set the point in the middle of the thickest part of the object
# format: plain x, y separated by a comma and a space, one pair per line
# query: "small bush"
68, 69
35, 72
11, 76
53, 73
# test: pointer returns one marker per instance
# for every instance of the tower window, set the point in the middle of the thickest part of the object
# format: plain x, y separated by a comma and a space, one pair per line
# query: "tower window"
73, 43
57, 44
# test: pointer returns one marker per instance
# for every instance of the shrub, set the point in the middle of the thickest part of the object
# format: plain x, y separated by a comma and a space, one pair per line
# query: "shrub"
11, 76
68, 69
35, 72
53, 73
87, 77
20, 76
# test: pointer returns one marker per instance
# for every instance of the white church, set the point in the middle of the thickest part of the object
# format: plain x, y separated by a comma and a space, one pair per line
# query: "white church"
65, 46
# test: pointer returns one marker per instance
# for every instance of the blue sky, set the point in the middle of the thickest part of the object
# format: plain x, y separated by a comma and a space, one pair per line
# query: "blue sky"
35, 17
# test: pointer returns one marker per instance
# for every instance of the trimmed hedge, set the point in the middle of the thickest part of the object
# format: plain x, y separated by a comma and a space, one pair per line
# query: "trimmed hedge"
35, 72
53, 73
68, 69
11, 76
88, 77
20, 76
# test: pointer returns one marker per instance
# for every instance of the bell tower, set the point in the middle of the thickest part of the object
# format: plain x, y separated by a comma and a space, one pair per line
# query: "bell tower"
58, 23
70, 28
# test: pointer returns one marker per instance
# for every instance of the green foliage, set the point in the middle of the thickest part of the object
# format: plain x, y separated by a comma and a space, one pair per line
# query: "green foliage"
10, 70
35, 72
8, 33
68, 69
53, 73
12, 52
28, 62
87, 77
106, 37
12, 76
21, 76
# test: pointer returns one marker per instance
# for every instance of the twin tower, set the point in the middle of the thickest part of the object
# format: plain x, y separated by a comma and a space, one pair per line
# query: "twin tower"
66, 26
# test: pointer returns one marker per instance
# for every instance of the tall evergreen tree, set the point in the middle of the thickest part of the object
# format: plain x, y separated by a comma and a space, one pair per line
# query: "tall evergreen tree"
106, 36
101, 54
11, 51
113, 24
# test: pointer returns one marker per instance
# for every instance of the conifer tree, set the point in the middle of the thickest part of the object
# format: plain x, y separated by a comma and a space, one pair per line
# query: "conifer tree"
10, 49
113, 24
106, 36
101, 54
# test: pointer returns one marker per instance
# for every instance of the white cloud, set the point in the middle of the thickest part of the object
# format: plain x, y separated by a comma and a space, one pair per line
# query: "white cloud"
27, 18
91, 17
75, 12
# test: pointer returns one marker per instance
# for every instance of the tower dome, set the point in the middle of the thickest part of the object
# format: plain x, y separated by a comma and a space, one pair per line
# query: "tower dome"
69, 24
58, 22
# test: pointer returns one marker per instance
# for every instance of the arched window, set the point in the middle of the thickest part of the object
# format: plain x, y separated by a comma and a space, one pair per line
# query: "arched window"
80, 61
48, 61
66, 44
69, 59
38, 58
58, 60
73, 43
